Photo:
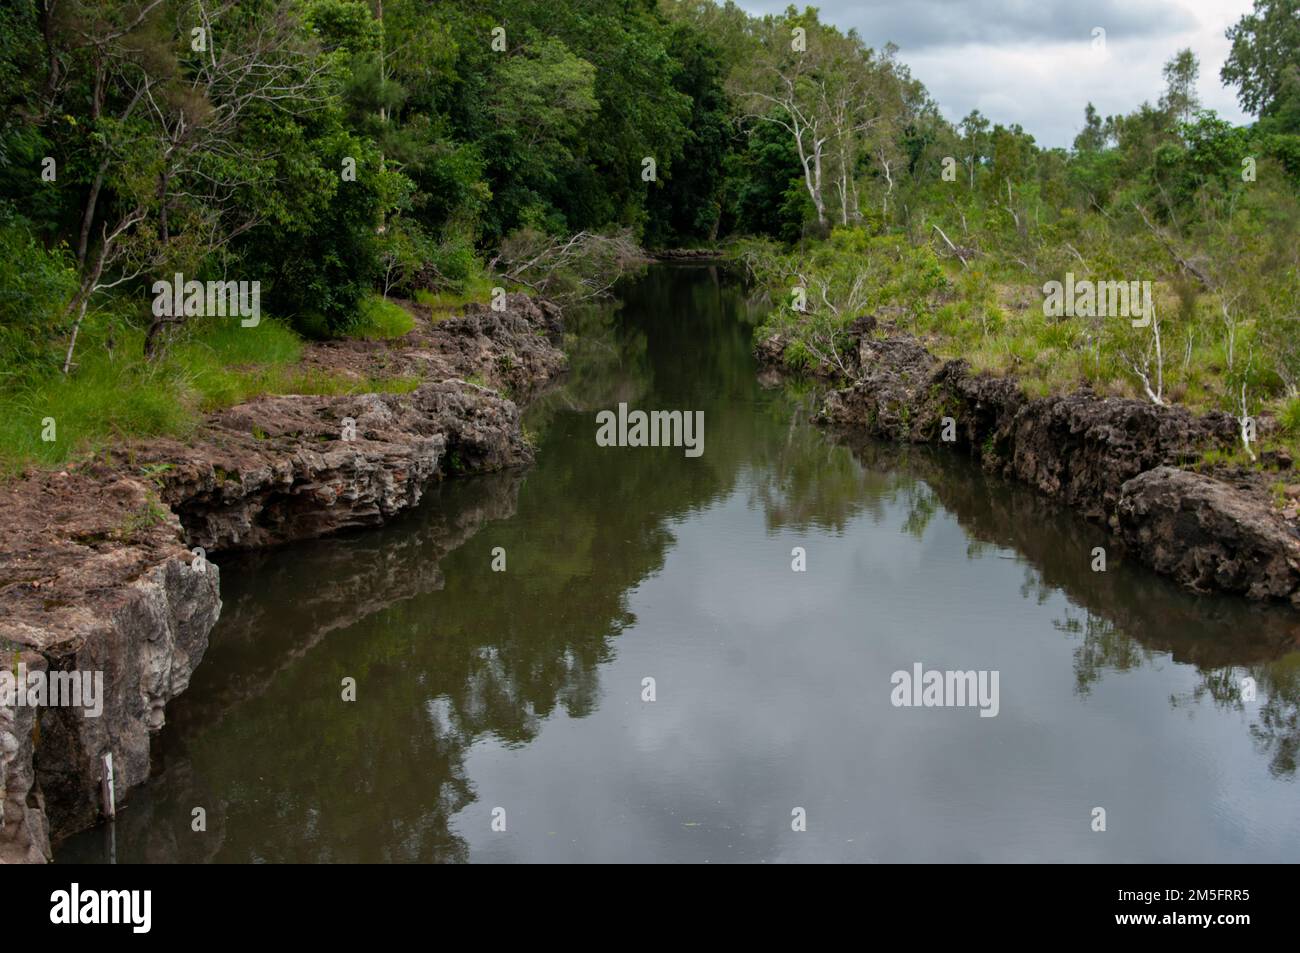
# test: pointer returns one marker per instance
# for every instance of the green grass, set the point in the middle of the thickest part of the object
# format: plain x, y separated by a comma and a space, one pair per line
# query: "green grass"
106, 398
1214, 457
225, 364
992, 316
1288, 418
150, 515
381, 319
447, 301
115, 395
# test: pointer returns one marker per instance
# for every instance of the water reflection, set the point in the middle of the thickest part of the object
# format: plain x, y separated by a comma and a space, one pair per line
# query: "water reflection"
1127, 617
478, 689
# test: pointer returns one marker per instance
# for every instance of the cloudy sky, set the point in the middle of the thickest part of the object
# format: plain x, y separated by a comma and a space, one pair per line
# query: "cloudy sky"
1034, 62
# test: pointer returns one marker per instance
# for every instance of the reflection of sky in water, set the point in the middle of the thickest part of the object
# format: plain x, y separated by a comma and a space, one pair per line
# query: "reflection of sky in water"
522, 690
780, 699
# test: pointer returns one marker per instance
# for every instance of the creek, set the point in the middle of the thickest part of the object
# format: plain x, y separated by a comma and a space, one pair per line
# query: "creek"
500, 715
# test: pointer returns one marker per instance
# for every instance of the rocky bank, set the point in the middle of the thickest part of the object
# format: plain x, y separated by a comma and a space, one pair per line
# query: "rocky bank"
1123, 463
104, 567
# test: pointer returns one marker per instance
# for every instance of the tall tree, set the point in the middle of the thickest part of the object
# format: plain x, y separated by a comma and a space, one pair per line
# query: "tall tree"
1180, 99
1265, 52
157, 97
1092, 138
782, 87
974, 132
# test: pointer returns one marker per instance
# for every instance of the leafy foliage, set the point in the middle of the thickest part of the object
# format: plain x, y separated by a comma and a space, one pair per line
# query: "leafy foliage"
338, 149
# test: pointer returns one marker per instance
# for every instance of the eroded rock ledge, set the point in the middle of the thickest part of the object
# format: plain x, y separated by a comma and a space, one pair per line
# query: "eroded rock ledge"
280, 468
96, 568
1120, 462
96, 579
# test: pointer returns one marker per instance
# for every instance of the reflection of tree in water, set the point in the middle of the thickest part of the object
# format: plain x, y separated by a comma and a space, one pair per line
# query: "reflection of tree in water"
804, 480
444, 651
1106, 647
979, 548
1275, 729
1127, 616
1103, 646
447, 653
1033, 587
800, 479
922, 504
608, 363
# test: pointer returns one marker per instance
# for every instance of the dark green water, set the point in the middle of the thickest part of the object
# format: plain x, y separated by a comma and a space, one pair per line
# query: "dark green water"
523, 689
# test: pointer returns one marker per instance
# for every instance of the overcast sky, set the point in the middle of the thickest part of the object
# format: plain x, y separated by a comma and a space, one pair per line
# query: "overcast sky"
1033, 62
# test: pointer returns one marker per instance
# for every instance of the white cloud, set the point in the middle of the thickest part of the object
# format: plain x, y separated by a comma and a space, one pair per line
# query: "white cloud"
1017, 68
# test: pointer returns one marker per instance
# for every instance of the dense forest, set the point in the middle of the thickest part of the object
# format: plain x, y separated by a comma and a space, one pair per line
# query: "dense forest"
347, 154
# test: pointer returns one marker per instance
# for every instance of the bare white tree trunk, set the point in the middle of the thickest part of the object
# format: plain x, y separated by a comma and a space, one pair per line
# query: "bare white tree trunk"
1245, 432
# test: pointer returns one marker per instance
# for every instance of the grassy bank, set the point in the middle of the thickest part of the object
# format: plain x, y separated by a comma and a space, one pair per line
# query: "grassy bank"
114, 393
990, 312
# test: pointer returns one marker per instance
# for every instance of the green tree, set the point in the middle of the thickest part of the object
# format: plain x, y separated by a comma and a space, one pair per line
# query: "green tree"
1092, 138
545, 97
763, 191
974, 132
1180, 99
690, 207
1265, 53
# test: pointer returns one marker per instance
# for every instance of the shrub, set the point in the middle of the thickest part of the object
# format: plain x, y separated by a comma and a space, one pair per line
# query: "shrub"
35, 285
381, 318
